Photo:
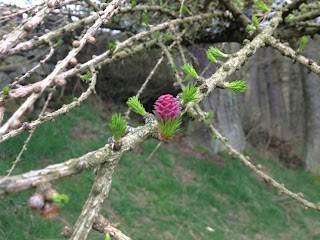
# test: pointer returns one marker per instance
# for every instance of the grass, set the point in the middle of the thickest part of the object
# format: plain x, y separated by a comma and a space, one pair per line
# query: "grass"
167, 197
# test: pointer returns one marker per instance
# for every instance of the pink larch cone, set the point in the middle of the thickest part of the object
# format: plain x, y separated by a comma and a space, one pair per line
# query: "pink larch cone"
167, 107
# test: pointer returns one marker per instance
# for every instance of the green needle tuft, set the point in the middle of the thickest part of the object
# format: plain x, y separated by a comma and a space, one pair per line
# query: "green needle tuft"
136, 106
189, 70
118, 126
216, 52
303, 43
189, 94
237, 86
168, 129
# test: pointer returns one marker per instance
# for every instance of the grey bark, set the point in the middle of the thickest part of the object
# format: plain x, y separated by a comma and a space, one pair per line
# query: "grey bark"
311, 84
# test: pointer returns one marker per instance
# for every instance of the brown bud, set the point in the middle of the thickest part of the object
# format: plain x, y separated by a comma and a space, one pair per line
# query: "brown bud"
171, 28
37, 89
36, 201
76, 44
103, 6
60, 82
15, 124
66, 232
81, 165
115, 145
26, 126
50, 4
57, 3
300, 194
28, 27
48, 195
91, 40
73, 61
50, 210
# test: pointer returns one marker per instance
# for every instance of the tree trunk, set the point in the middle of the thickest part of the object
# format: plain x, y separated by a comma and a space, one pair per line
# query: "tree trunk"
311, 84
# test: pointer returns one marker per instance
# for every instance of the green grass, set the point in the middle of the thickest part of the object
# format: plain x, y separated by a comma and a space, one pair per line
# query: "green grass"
167, 197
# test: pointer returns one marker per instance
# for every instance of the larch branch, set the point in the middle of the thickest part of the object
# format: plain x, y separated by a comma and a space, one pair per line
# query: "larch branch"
56, 34
99, 192
102, 225
257, 169
15, 36
18, 183
290, 53
107, 14
295, 4
236, 12
303, 17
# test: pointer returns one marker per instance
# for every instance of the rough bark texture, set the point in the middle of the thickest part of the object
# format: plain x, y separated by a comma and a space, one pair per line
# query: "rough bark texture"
267, 99
312, 127
99, 192
280, 107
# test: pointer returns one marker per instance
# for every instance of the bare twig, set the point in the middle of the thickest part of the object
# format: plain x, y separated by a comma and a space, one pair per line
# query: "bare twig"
289, 52
102, 225
171, 62
295, 4
105, 57
20, 92
26, 142
93, 5
51, 116
309, 24
18, 183
49, 55
56, 34
236, 12
52, 35
23, 91
181, 52
303, 17
20, 12
257, 169
153, 151
107, 14
15, 36
181, 8
2, 111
